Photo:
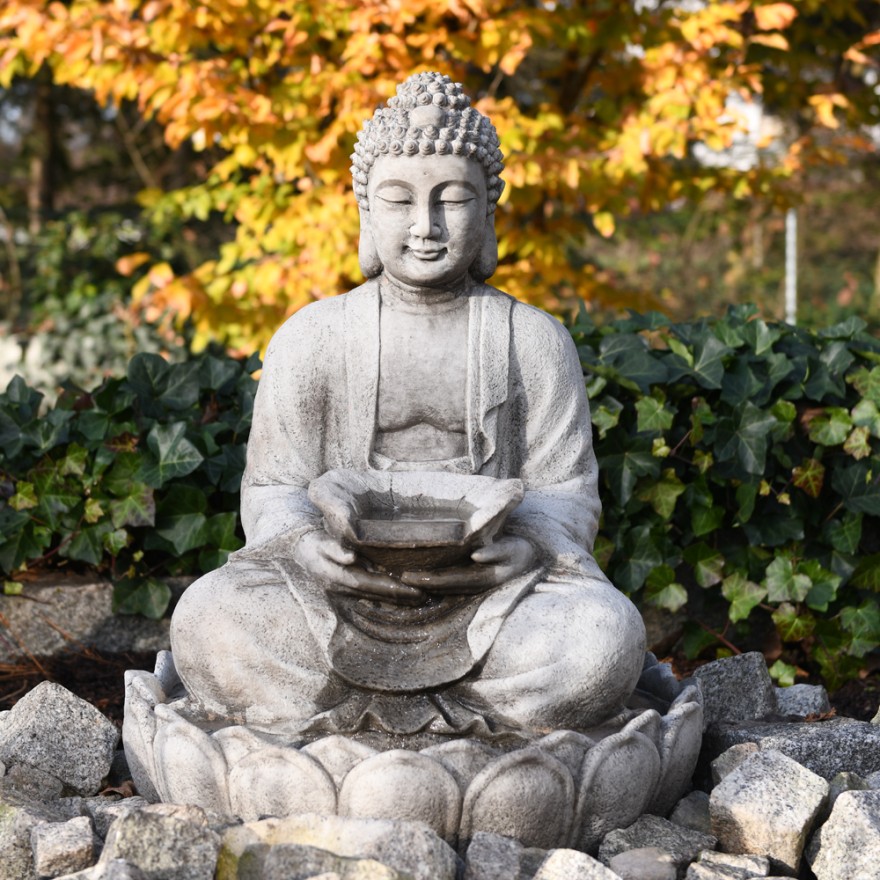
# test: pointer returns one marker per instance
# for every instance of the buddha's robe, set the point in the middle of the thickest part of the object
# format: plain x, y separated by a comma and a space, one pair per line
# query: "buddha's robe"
258, 640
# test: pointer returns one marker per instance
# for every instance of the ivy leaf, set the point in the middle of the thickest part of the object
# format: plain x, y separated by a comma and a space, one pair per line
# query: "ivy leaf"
218, 374
149, 597
662, 590
623, 469
137, 508
825, 584
859, 487
866, 415
705, 520
652, 415
184, 532
742, 594
783, 584
863, 624
641, 554
759, 336
708, 366
116, 541
793, 624
25, 497
830, 428
867, 383
221, 540
57, 497
663, 493
744, 438
857, 444
631, 358
87, 545
810, 477
181, 387
27, 541
173, 455
606, 415
708, 564
867, 574
781, 672
845, 534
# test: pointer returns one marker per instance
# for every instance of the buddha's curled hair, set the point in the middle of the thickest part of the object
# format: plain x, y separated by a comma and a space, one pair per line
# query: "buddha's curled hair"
429, 115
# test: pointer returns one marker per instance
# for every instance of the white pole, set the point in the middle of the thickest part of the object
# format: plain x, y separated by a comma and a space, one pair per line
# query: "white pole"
791, 225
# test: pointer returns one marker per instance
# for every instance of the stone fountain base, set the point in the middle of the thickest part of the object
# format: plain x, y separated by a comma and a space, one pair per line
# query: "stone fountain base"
561, 789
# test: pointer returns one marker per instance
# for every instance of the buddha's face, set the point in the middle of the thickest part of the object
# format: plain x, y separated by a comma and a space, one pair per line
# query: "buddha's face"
428, 217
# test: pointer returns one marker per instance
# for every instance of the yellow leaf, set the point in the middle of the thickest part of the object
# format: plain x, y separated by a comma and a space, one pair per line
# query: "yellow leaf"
775, 16
128, 264
604, 223
774, 41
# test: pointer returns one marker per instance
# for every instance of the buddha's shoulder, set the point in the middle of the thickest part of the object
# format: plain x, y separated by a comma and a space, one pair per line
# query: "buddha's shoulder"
530, 322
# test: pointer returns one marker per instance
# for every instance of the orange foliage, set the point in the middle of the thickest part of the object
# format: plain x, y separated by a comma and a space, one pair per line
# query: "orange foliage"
597, 105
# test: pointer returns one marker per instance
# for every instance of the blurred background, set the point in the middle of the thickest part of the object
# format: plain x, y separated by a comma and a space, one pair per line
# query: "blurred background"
175, 175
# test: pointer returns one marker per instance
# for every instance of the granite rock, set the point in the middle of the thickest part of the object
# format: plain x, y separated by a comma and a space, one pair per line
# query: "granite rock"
293, 862
103, 811
728, 866
802, 700
570, 864
847, 846
62, 847
163, 846
825, 747
410, 848
682, 844
490, 856
736, 689
728, 761
692, 812
55, 731
645, 863
767, 806
19, 814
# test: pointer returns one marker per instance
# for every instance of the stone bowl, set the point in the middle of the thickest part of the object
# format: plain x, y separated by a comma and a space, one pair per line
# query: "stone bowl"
413, 520
562, 789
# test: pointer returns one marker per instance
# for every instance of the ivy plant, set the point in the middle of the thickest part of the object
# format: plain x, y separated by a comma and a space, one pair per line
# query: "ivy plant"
739, 461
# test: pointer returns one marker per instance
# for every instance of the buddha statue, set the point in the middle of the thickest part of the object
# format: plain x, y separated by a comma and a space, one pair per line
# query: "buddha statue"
424, 370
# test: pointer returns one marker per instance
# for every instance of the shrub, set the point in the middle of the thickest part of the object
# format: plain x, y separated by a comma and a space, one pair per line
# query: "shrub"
740, 469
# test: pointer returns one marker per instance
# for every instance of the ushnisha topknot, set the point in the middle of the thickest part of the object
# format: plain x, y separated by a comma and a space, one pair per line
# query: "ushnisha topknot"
430, 114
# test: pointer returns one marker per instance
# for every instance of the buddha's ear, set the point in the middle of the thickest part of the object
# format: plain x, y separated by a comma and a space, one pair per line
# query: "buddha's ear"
368, 256
487, 259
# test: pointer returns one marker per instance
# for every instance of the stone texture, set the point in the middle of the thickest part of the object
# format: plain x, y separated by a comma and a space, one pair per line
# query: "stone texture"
57, 732
411, 848
824, 747
62, 847
802, 700
54, 613
19, 814
646, 863
728, 761
692, 812
103, 811
569, 864
292, 862
736, 689
841, 783
767, 807
490, 856
727, 866
682, 844
847, 847
163, 846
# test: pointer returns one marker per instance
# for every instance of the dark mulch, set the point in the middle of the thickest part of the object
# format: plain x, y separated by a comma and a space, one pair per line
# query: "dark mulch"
98, 678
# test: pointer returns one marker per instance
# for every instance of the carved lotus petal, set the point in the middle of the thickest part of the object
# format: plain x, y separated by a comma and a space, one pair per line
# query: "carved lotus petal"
567, 746
166, 672
191, 767
338, 755
403, 785
463, 758
681, 732
279, 782
142, 693
237, 743
526, 795
618, 779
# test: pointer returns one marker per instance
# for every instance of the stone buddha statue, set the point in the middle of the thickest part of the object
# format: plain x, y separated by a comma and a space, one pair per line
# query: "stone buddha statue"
427, 370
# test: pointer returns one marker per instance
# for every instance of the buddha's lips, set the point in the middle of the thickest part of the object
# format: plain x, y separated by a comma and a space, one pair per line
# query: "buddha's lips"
427, 254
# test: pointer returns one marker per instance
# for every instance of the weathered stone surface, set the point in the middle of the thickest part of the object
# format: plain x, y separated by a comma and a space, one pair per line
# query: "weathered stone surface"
491, 855
35, 783
103, 811
727, 866
55, 612
569, 864
115, 869
62, 847
824, 747
52, 729
802, 700
293, 862
767, 807
18, 815
163, 847
411, 848
646, 863
847, 846
728, 761
682, 844
841, 783
692, 812
736, 689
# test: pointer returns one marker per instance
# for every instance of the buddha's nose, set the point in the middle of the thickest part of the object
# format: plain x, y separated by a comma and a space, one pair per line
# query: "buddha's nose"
425, 223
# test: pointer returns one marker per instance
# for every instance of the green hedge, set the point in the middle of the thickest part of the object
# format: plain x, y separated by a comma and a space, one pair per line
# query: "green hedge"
740, 468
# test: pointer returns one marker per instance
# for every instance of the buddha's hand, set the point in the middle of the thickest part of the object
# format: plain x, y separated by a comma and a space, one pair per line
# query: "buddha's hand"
495, 564
326, 560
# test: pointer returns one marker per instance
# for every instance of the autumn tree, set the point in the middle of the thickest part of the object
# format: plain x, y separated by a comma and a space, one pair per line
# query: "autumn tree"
599, 106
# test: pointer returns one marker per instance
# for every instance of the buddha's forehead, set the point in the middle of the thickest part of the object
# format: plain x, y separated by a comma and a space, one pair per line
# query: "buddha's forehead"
427, 172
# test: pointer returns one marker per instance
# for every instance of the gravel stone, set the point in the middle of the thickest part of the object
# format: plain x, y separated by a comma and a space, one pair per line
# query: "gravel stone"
767, 806
103, 811
803, 700
62, 847
19, 813
569, 864
646, 863
55, 731
292, 862
847, 846
728, 761
682, 844
728, 866
490, 856
736, 689
692, 812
